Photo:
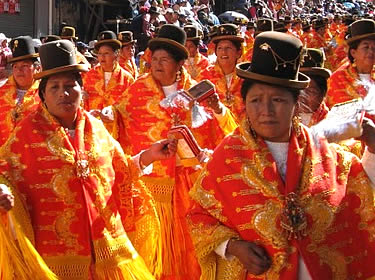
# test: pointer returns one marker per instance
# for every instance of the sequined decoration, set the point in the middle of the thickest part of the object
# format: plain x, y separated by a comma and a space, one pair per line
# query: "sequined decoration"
293, 218
229, 99
82, 167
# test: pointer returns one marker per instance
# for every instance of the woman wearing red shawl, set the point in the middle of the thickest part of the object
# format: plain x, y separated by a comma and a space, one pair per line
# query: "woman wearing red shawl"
274, 202
350, 80
78, 198
141, 120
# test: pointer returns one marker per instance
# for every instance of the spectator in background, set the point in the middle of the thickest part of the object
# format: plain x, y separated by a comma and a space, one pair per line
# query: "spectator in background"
5, 52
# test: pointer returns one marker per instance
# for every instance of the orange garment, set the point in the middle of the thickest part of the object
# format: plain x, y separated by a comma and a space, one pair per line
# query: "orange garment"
143, 121
195, 67
11, 112
344, 85
129, 65
230, 96
83, 197
249, 41
307, 38
241, 194
319, 114
101, 96
145, 62
81, 59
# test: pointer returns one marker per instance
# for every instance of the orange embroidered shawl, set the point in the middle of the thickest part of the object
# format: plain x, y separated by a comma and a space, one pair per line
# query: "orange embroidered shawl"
101, 96
82, 194
199, 64
231, 97
241, 194
129, 65
12, 113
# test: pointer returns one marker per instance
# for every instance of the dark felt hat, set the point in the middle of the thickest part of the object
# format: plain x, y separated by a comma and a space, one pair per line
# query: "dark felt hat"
58, 57
170, 36
361, 29
126, 38
318, 23
251, 24
276, 60
22, 48
68, 32
154, 10
313, 64
51, 38
107, 37
280, 27
264, 24
287, 19
193, 32
227, 31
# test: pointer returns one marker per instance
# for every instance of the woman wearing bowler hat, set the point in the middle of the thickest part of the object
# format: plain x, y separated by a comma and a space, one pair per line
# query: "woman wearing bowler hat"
274, 203
350, 80
78, 199
126, 58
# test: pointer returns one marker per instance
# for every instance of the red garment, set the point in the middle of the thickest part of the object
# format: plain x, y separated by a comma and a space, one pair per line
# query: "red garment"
241, 194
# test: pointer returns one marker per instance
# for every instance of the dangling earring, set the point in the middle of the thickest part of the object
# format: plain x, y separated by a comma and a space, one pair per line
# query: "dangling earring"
252, 131
178, 75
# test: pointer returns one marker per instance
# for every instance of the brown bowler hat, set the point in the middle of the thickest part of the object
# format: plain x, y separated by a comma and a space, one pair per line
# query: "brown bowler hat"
68, 32
171, 36
58, 57
51, 38
318, 23
22, 49
264, 24
107, 38
276, 60
361, 29
193, 33
126, 38
313, 64
227, 31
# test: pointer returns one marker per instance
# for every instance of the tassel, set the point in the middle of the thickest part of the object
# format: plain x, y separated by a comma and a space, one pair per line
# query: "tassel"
199, 116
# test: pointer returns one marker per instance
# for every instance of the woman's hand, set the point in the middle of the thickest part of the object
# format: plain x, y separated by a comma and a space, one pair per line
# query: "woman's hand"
160, 150
106, 115
368, 134
6, 198
254, 258
214, 103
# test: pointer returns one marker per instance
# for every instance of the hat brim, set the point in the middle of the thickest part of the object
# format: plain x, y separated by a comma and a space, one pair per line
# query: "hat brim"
318, 71
361, 37
227, 37
23, 57
63, 69
112, 42
68, 37
193, 38
128, 43
302, 81
153, 43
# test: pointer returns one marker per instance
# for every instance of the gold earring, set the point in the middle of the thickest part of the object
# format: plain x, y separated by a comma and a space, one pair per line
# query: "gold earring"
252, 131
178, 76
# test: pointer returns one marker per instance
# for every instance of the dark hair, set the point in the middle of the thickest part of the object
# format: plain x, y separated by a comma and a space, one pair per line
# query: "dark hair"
43, 84
196, 42
353, 46
177, 56
321, 82
247, 84
237, 44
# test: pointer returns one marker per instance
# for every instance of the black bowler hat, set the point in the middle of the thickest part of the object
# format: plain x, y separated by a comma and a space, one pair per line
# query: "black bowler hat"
264, 24
68, 32
280, 27
227, 31
318, 23
276, 60
58, 57
107, 38
193, 33
51, 38
22, 48
171, 36
313, 64
361, 29
126, 38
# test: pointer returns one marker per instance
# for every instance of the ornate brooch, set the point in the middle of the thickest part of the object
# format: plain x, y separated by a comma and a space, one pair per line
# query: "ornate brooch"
82, 167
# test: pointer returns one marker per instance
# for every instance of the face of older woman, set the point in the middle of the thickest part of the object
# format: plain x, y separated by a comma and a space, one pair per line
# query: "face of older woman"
227, 55
364, 56
128, 51
62, 98
107, 57
192, 48
164, 68
270, 111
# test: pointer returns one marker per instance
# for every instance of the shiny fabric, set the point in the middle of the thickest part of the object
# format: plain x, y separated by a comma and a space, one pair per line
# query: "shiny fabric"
85, 204
199, 64
142, 121
130, 66
11, 112
231, 97
100, 96
240, 194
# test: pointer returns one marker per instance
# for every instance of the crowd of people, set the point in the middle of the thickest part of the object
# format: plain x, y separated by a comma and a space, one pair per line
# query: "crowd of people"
94, 184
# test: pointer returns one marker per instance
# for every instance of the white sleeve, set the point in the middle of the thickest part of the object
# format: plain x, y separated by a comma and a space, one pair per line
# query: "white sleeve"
368, 163
221, 250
